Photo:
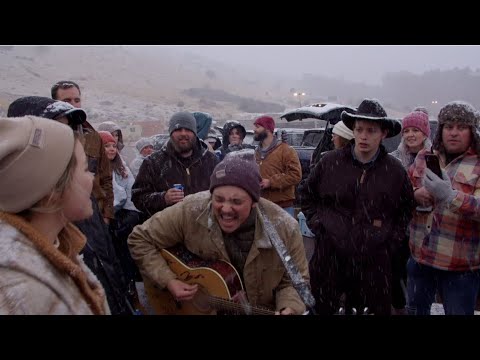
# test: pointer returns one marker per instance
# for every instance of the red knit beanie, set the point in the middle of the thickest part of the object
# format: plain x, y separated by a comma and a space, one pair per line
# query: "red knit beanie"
419, 120
106, 137
267, 122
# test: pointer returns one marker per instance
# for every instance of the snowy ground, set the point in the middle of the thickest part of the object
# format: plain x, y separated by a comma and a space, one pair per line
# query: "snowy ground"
437, 309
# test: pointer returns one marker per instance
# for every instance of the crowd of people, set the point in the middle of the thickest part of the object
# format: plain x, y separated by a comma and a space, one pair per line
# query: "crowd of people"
81, 227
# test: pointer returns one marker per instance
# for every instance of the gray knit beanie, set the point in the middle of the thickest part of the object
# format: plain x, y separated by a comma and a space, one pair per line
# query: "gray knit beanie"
184, 120
140, 144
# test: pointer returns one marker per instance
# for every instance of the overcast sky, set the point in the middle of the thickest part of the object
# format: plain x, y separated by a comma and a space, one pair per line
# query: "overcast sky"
354, 63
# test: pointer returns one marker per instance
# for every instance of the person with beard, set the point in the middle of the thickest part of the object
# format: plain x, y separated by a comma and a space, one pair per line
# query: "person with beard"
229, 222
445, 242
184, 160
279, 165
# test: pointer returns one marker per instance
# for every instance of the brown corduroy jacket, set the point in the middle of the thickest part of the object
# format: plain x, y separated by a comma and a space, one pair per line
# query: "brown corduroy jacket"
192, 223
282, 167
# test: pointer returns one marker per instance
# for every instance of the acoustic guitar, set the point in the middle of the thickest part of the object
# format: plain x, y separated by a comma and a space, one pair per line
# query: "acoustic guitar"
218, 283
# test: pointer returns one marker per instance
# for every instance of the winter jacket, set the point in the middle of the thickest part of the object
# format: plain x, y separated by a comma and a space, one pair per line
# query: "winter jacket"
164, 168
226, 146
192, 223
282, 167
111, 127
136, 163
406, 157
360, 209
204, 121
37, 278
448, 238
122, 190
99, 255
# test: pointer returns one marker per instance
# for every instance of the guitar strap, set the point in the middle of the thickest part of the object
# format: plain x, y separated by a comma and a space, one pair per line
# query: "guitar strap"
299, 283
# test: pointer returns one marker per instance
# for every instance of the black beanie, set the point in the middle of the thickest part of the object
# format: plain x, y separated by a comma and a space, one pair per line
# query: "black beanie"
240, 169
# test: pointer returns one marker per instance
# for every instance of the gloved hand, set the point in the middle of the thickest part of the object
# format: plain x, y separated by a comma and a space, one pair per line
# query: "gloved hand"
440, 189
284, 136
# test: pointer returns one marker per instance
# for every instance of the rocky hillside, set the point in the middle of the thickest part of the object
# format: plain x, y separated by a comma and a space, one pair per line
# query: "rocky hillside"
129, 84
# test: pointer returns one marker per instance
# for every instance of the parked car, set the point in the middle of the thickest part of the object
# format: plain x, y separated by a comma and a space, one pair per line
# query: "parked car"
249, 138
320, 139
294, 136
329, 112
312, 137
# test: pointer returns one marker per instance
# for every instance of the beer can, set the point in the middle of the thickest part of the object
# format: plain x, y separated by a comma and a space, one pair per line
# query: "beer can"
178, 186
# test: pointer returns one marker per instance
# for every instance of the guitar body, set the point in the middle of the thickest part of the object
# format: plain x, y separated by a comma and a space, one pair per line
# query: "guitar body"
217, 279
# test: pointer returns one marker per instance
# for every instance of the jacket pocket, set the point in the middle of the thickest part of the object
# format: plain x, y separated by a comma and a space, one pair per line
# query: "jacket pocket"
467, 180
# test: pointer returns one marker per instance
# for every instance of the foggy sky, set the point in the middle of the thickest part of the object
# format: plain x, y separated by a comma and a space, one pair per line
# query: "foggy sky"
353, 63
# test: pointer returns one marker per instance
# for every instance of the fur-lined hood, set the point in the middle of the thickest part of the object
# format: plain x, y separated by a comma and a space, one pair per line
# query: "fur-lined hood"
110, 126
38, 278
405, 156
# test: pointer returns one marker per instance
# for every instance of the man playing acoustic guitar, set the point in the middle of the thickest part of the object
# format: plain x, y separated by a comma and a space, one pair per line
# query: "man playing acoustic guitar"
228, 225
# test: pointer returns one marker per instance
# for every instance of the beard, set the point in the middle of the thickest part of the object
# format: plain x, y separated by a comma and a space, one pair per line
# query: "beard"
183, 148
260, 137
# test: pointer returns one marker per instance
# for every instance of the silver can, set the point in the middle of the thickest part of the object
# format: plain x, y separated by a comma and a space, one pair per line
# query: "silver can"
178, 186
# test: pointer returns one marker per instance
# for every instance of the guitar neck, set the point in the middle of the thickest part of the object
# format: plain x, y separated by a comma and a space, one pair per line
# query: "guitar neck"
231, 306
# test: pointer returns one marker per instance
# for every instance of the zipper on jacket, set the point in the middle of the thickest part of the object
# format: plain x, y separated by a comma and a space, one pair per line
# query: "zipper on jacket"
188, 177
363, 176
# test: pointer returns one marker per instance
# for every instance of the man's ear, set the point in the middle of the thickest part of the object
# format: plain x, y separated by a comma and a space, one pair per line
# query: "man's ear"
385, 133
254, 205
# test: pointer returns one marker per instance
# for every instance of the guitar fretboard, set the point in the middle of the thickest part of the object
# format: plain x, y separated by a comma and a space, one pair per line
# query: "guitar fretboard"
237, 308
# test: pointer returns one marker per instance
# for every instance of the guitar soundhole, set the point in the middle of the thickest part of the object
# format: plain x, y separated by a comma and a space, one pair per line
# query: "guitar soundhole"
201, 301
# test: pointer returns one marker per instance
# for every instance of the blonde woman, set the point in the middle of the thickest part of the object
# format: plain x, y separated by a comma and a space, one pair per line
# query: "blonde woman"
415, 137
45, 185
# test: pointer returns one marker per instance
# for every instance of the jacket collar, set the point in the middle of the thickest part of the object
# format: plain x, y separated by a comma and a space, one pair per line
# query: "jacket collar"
207, 219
